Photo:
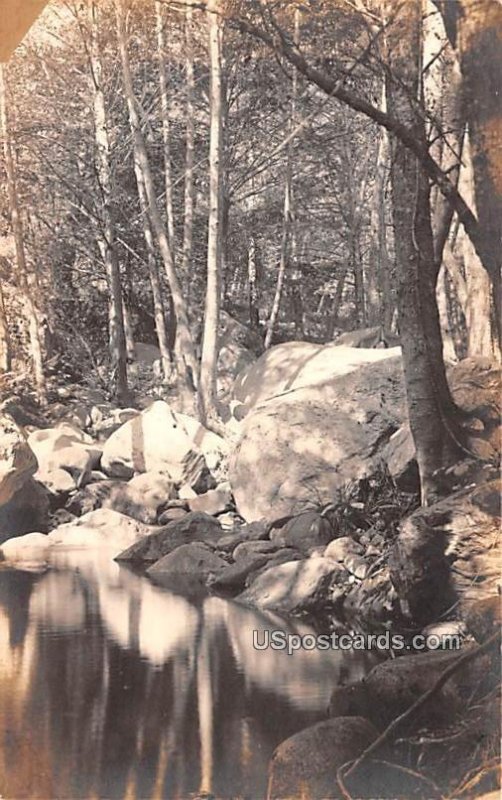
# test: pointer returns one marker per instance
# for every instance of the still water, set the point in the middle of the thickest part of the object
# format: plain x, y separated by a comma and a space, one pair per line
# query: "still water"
111, 687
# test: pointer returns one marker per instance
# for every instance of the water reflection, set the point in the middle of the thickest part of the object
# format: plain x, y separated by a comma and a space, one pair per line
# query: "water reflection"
111, 687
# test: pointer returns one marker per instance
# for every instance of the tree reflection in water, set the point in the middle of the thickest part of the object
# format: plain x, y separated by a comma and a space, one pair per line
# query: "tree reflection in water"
111, 687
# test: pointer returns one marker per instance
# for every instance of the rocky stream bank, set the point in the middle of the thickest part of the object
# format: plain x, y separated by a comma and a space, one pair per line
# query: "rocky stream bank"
308, 507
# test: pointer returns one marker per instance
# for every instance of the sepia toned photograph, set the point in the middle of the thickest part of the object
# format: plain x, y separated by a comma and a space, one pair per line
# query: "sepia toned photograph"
250, 399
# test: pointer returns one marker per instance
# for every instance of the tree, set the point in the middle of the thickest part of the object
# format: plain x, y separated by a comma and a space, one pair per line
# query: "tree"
185, 354
431, 410
106, 237
209, 357
25, 284
190, 150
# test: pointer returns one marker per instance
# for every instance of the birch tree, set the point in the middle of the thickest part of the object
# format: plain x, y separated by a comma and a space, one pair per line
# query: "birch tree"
189, 202
161, 23
106, 236
185, 353
20, 251
209, 357
287, 213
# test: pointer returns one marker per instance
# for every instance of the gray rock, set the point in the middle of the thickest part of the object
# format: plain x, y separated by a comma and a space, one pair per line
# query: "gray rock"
292, 586
356, 565
345, 401
172, 514
212, 502
393, 686
246, 549
306, 531
340, 549
232, 577
26, 511
305, 765
17, 460
193, 527
102, 528
191, 560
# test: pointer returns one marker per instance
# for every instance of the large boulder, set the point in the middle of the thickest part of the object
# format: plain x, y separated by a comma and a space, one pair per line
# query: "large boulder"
306, 764
141, 498
306, 532
195, 561
449, 552
294, 365
158, 440
292, 586
17, 460
391, 687
101, 528
26, 511
64, 447
297, 449
28, 551
193, 527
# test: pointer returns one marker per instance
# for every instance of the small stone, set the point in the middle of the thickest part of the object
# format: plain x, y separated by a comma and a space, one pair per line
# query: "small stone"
340, 548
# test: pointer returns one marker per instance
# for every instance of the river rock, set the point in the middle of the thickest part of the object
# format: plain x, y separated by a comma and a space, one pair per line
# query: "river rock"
294, 365
212, 502
193, 527
245, 549
30, 549
461, 532
327, 433
391, 687
64, 447
17, 460
140, 498
305, 765
304, 532
101, 528
399, 455
27, 511
292, 586
484, 617
191, 560
232, 577
158, 440
342, 547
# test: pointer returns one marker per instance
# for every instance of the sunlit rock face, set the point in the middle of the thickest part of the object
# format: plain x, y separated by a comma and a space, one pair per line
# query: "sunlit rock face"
294, 365
158, 440
100, 528
334, 409
17, 460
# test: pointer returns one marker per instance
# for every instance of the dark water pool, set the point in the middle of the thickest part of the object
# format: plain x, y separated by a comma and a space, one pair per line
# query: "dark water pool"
111, 687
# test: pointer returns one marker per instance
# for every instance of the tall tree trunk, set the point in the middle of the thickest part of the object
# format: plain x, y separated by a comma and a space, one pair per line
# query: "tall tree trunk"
430, 406
21, 262
5, 349
209, 357
107, 239
254, 308
129, 338
335, 306
283, 260
161, 22
378, 290
153, 273
189, 152
287, 216
185, 352
478, 39
478, 307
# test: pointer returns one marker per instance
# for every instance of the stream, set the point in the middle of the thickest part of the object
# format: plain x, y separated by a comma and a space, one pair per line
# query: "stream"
111, 687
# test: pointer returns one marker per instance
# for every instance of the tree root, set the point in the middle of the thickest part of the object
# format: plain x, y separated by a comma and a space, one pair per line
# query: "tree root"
348, 769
